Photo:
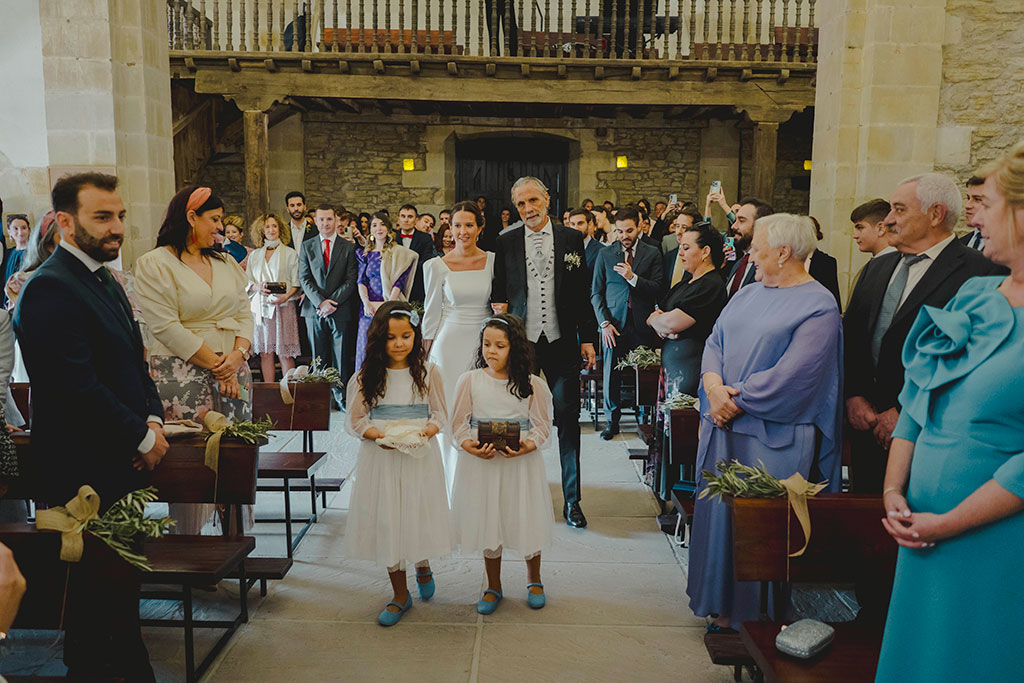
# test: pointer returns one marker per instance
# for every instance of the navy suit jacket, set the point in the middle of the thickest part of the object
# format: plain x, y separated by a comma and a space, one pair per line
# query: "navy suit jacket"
613, 298
424, 246
591, 251
337, 284
91, 389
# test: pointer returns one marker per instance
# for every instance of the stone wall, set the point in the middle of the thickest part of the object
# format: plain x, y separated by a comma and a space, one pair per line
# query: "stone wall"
662, 161
981, 101
227, 179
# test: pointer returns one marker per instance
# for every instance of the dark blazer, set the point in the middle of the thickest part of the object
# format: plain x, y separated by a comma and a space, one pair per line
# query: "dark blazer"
591, 251
825, 270
647, 239
613, 298
668, 265
571, 284
337, 284
424, 246
91, 389
952, 267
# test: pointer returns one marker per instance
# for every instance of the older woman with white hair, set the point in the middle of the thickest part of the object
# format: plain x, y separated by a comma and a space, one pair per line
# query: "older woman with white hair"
770, 392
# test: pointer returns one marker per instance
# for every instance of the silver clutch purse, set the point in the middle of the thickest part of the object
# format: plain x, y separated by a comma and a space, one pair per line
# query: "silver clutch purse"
805, 638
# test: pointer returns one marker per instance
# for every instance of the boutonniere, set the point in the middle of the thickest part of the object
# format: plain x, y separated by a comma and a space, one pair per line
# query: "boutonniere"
572, 260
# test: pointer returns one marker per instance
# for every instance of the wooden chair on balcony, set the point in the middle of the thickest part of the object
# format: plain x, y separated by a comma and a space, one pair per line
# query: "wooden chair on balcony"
394, 41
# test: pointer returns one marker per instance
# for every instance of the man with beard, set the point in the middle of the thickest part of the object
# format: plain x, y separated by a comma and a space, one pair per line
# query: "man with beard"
742, 232
95, 412
301, 225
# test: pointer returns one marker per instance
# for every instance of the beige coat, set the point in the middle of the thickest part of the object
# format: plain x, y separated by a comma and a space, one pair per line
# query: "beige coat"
393, 263
183, 312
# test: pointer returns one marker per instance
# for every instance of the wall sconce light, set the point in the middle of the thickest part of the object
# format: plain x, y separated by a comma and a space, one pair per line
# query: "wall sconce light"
408, 164
621, 161
807, 164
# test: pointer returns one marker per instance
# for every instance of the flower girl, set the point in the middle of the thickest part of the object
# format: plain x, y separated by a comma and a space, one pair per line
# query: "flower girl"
501, 497
399, 510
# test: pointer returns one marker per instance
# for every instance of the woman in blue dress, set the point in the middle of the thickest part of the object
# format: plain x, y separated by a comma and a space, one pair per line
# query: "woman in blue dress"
957, 598
770, 389
386, 271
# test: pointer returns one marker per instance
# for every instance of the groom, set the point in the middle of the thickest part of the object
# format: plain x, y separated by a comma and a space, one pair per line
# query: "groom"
540, 275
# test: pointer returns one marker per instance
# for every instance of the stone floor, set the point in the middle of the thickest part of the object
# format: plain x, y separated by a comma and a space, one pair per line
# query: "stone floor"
616, 603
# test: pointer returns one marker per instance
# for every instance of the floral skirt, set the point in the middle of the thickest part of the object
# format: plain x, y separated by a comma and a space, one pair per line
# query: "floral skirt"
279, 334
188, 392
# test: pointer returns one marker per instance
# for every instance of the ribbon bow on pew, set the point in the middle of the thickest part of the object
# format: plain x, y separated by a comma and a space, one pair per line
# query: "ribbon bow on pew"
71, 520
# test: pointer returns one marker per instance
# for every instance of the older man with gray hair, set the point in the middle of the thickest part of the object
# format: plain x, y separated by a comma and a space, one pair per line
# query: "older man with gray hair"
928, 268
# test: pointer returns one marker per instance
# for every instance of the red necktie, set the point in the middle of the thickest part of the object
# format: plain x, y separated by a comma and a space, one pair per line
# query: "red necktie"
629, 257
327, 254
741, 270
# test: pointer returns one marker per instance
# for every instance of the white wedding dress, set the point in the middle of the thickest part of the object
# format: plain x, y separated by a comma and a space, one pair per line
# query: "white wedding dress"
457, 303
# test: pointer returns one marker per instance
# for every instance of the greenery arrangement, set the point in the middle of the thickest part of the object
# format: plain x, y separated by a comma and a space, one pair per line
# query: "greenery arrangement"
319, 373
743, 481
417, 306
679, 401
249, 432
640, 358
125, 521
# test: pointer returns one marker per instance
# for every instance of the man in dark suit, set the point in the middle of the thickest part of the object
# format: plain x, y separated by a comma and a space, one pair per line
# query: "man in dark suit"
742, 231
626, 287
583, 222
97, 418
975, 197
927, 270
327, 273
418, 241
540, 275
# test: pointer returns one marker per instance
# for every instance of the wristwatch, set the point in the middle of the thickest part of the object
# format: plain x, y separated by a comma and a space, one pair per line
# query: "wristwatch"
243, 351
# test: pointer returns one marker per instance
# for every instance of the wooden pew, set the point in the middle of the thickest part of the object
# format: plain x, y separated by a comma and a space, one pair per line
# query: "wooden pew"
178, 560
848, 545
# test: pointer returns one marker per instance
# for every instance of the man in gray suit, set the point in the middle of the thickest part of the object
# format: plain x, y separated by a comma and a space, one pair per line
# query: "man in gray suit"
627, 283
327, 272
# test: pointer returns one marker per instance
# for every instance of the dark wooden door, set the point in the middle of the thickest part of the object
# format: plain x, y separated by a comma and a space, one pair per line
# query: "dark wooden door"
489, 166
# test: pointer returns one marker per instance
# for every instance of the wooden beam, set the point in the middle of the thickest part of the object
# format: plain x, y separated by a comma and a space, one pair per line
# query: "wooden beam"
257, 158
186, 120
325, 103
766, 142
351, 105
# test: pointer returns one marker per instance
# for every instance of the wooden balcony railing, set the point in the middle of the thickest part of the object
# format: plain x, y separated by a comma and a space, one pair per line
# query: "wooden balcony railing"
665, 30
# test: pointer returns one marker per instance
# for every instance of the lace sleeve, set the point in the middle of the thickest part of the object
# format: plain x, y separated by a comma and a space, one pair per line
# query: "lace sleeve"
462, 410
540, 412
435, 398
357, 416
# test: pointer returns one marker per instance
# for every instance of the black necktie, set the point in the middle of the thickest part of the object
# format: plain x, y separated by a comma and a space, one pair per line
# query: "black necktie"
113, 289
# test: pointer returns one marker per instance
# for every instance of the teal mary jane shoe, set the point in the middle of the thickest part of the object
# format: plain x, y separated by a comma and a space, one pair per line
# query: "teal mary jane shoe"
488, 606
388, 618
426, 589
534, 600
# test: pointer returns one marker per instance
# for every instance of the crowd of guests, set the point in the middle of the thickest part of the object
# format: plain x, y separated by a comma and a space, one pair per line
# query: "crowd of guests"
449, 322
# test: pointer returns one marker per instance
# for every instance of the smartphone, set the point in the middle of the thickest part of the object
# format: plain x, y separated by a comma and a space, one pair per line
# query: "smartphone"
730, 242
716, 186
673, 198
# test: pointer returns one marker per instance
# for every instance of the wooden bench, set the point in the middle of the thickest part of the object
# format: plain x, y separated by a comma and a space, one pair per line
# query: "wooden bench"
178, 560
592, 381
677, 477
848, 544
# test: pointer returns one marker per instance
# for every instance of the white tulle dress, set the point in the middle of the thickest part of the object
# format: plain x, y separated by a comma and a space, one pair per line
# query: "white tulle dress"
399, 511
456, 305
502, 501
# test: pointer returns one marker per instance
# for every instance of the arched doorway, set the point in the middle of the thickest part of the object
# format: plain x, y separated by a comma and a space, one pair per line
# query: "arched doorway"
488, 166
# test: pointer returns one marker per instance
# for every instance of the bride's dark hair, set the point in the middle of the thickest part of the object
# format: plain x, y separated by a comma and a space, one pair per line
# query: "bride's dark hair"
520, 355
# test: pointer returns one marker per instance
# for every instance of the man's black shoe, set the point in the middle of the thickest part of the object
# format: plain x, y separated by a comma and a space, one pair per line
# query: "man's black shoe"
574, 516
610, 430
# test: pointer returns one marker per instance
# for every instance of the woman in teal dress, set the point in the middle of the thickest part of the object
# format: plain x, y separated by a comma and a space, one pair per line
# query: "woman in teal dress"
957, 599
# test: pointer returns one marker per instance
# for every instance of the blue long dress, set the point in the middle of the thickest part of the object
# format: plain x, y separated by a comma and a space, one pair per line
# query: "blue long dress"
782, 349
956, 608
369, 275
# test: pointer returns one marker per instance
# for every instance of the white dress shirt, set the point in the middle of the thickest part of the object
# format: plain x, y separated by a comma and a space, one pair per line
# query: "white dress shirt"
976, 241
632, 257
298, 233
541, 312
330, 239
887, 250
917, 271
146, 445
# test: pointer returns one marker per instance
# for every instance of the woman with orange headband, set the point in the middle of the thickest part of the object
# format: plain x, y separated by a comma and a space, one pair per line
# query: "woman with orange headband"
195, 305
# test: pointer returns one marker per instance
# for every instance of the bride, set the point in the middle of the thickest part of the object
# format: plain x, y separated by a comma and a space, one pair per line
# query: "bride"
458, 294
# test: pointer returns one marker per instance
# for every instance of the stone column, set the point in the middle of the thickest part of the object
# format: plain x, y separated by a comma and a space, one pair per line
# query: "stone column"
257, 161
876, 108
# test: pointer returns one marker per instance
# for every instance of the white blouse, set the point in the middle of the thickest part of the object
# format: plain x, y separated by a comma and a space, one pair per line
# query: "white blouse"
283, 266
183, 312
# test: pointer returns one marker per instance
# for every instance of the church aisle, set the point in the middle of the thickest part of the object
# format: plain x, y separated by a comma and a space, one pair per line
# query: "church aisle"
616, 604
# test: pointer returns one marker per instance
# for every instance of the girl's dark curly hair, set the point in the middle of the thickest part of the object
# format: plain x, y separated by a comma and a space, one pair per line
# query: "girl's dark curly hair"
373, 375
176, 229
520, 356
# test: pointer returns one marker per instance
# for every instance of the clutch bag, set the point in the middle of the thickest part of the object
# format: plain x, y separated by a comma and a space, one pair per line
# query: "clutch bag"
277, 287
503, 435
805, 638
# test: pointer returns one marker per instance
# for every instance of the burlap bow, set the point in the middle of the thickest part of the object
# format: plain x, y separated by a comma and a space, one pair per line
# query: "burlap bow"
293, 375
215, 423
798, 488
71, 520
